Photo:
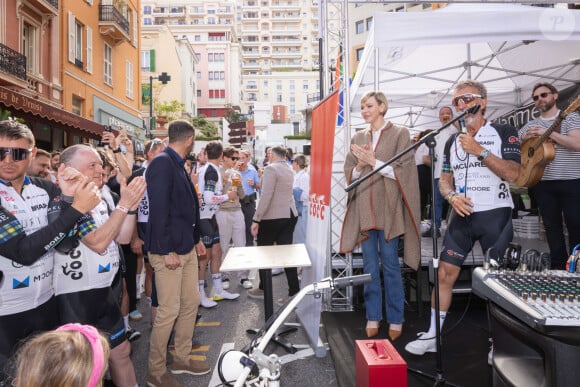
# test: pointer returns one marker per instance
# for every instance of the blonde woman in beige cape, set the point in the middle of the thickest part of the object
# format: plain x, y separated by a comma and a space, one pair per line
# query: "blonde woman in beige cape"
382, 210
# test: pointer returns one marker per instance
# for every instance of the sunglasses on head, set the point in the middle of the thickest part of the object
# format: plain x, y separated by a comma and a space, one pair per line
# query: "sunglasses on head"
156, 141
17, 154
465, 98
543, 95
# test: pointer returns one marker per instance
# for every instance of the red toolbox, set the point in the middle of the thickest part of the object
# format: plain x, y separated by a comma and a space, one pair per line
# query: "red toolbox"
379, 364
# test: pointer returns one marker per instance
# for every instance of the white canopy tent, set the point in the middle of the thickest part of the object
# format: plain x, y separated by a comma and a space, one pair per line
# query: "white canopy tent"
417, 57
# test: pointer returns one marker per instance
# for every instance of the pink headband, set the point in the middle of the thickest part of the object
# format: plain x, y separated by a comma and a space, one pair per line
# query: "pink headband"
92, 334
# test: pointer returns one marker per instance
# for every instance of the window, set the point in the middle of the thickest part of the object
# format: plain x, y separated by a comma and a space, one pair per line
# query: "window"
359, 53
304, 85
29, 47
211, 94
129, 79
210, 76
214, 112
77, 105
222, 75
197, 38
108, 65
78, 45
292, 97
278, 85
145, 60
278, 97
359, 27
211, 20
198, 74
147, 10
198, 92
198, 57
147, 21
292, 85
369, 23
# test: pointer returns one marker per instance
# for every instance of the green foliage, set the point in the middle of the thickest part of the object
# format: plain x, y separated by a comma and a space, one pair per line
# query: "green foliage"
301, 136
6, 114
172, 110
204, 128
232, 115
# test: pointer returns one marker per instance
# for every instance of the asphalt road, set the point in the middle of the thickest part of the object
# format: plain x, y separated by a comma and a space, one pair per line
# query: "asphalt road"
224, 326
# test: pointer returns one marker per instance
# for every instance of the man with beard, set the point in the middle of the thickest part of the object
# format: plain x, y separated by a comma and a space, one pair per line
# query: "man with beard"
40, 165
558, 192
172, 238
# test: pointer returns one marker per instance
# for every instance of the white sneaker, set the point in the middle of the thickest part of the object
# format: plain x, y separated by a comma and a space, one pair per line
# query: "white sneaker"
225, 295
226, 283
247, 284
421, 345
207, 303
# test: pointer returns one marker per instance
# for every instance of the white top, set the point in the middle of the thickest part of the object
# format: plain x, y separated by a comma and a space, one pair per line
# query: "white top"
83, 268
26, 287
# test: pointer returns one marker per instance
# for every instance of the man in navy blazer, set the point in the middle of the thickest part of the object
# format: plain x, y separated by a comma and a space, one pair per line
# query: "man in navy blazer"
172, 239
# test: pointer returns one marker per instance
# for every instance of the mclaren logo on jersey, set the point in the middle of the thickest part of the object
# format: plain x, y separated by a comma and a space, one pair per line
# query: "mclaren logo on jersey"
105, 269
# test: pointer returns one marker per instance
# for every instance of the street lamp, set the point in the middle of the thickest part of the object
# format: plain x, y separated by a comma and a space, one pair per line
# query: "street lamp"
164, 78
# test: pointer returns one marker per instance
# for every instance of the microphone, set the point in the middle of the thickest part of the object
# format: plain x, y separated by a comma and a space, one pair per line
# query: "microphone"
471, 110
462, 125
474, 109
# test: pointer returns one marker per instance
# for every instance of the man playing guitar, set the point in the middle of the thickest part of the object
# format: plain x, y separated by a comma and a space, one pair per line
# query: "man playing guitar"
558, 192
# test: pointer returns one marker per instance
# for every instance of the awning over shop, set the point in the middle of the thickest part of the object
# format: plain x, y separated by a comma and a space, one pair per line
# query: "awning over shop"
30, 105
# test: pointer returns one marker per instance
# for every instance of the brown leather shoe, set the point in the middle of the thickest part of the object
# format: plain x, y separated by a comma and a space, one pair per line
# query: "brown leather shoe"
394, 334
192, 367
164, 380
372, 332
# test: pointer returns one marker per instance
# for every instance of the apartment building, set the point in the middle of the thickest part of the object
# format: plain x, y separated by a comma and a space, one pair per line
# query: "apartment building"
165, 51
209, 26
361, 21
279, 54
31, 84
100, 62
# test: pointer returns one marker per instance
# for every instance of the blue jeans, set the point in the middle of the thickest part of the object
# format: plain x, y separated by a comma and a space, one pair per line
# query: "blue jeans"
394, 293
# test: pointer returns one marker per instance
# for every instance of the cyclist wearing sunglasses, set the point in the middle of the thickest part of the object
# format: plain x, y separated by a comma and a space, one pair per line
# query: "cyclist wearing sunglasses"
27, 238
477, 168
558, 192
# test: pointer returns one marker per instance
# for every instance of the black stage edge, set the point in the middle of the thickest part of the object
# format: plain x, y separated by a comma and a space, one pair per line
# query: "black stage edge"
465, 347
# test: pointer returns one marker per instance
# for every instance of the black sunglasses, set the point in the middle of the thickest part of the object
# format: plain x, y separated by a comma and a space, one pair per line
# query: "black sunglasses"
234, 158
17, 154
543, 95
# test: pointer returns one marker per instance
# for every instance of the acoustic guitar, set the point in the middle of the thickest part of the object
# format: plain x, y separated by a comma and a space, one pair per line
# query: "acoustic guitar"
538, 151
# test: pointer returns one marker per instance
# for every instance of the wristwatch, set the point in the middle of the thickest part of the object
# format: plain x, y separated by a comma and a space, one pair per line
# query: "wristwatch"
118, 150
483, 155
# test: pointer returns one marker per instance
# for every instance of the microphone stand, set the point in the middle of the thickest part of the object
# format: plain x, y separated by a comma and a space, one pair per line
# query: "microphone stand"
429, 140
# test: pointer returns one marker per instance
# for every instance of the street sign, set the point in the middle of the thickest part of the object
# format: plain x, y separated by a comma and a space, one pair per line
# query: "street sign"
238, 132
238, 140
237, 125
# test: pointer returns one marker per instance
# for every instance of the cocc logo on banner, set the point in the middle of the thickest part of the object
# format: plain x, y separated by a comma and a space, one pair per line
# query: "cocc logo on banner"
318, 206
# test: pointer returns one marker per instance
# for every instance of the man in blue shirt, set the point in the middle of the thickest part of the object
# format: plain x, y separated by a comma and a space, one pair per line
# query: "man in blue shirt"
251, 183
172, 239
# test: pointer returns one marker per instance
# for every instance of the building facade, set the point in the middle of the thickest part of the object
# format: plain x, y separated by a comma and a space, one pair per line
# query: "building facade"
100, 62
209, 26
279, 53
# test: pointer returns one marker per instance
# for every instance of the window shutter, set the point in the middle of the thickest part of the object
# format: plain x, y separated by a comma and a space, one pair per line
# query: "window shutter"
135, 29
71, 37
152, 59
89, 50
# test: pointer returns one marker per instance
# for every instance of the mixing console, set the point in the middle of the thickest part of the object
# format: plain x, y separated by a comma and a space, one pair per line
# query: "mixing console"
550, 298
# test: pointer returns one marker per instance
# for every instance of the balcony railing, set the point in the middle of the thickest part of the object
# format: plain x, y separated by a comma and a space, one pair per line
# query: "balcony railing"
54, 3
12, 62
108, 13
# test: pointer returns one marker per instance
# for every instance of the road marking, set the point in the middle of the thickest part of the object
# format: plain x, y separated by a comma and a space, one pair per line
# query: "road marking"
208, 324
215, 379
200, 348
